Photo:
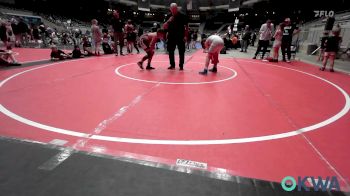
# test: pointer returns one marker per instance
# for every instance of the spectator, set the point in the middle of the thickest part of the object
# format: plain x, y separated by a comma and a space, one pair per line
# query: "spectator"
106, 44
194, 39
7, 57
3, 33
36, 34
234, 41
76, 53
23, 32
86, 46
43, 34
15, 30
96, 36
57, 54
245, 38
253, 38
76, 36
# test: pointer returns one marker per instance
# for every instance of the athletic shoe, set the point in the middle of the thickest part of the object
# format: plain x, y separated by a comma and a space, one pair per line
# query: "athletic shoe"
16, 64
140, 65
171, 67
149, 67
214, 70
331, 70
204, 72
322, 68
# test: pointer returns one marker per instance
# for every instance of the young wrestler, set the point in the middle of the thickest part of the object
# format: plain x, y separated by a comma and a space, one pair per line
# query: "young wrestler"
148, 42
277, 43
57, 54
322, 46
332, 46
213, 44
7, 57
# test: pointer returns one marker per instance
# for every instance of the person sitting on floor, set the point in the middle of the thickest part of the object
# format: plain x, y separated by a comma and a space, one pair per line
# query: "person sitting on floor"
87, 47
106, 47
57, 54
7, 58
76, 53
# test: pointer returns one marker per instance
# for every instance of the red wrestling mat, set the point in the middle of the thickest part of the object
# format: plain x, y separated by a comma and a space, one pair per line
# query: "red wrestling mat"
253, 119
25, 55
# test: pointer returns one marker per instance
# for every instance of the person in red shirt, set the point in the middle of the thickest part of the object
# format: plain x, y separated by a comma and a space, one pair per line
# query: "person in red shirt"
130, 36
148, 42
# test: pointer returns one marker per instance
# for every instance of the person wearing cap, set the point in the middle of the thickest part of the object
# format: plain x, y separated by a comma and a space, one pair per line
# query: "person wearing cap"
288, 32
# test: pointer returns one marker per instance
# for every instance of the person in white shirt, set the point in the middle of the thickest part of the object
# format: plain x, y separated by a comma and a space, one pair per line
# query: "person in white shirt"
265, 35
214, 45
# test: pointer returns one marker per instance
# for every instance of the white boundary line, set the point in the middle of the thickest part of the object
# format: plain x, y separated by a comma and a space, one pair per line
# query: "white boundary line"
334, 118
183, 83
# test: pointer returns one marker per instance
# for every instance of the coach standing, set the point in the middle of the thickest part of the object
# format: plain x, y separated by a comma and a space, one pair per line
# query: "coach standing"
118, 32
177, 26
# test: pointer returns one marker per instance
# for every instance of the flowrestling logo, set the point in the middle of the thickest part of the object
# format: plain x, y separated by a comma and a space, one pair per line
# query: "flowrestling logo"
324, 13
319, 184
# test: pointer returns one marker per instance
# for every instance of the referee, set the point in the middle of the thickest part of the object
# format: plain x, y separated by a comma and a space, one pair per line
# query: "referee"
177, 26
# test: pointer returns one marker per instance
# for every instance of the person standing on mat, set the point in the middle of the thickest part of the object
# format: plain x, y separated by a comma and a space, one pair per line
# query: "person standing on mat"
118, 33
332, 47
148, 43
288, 32
214, 45
177, 26
265, 35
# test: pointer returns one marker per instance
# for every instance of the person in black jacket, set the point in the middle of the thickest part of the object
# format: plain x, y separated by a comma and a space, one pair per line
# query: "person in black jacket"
3, 33
23, 31
288, 32
322, 46
331, 49
118, 32
245, 38
177, 27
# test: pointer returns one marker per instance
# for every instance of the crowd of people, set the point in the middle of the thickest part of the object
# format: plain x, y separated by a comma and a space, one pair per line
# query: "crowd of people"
174, 33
